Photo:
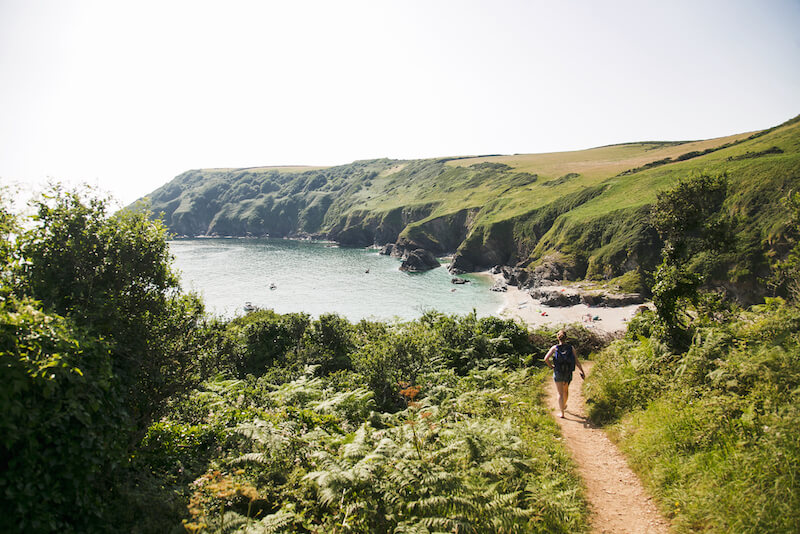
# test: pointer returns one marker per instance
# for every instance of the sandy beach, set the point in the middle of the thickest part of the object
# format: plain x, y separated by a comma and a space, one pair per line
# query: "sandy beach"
519, 305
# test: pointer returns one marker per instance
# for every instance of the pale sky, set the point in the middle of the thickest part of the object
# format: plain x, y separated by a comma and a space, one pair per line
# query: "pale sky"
127, 95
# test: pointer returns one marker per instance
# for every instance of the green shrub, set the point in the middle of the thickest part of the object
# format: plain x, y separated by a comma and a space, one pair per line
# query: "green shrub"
175, 448
267, 339
394, 356
643, 324
627, 375
112, 276
62, 423
328, 343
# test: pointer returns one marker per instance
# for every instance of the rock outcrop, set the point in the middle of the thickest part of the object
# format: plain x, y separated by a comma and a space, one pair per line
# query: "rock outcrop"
461, 265
557, 296
418, 260
499, 286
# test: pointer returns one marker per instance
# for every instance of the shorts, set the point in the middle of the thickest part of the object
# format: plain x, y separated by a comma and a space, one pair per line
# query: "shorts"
562, 377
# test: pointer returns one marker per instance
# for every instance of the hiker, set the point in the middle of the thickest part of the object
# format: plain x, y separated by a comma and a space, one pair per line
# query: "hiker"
563, 364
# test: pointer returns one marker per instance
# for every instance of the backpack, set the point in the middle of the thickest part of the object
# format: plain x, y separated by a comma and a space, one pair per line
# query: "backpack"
564, 360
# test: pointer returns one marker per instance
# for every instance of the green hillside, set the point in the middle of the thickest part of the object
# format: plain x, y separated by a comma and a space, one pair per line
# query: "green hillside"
586, 212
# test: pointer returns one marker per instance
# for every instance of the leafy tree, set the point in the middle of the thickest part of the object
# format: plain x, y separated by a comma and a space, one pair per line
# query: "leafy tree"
786, 272
695, 231
62, 422
8, 228
111, 275
689, 218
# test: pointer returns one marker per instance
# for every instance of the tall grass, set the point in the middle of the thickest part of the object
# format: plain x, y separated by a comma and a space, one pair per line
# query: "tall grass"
713, 431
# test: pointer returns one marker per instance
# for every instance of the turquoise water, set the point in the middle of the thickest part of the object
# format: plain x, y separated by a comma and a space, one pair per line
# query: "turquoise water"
316, 278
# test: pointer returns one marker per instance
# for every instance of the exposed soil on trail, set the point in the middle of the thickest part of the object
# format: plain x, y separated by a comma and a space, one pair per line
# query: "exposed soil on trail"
618, 502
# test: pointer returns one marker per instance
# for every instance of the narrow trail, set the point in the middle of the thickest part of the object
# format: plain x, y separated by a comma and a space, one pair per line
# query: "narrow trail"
617, 500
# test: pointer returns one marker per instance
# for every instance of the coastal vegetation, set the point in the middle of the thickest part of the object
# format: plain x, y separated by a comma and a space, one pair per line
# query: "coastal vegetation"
125, 407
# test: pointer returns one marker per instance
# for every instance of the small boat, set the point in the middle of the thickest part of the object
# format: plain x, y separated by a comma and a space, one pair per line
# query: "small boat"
248, 307
366, 272
273, 286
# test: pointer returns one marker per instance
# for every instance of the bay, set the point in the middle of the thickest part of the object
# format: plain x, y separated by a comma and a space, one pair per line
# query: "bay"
316, 277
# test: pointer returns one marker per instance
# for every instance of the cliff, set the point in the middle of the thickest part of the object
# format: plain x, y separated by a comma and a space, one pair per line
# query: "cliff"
569, 215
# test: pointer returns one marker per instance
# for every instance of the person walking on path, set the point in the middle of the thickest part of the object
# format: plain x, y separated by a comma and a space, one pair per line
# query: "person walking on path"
562, 360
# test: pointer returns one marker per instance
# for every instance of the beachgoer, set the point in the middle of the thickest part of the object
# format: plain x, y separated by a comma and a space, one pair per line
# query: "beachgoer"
562, 375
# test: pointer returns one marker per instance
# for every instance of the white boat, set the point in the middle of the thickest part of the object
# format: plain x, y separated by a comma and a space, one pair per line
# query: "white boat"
248, 307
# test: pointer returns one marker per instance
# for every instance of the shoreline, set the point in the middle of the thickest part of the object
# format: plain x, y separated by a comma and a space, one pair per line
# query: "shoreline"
518, 304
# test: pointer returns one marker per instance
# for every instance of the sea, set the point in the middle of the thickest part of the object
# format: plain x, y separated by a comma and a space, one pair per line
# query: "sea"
317, 277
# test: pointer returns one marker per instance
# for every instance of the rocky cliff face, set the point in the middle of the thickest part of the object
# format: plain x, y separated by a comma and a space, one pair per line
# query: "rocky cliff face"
440, 235
363, 228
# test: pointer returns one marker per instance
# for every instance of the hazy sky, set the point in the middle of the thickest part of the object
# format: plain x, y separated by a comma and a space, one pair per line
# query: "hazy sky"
126, 95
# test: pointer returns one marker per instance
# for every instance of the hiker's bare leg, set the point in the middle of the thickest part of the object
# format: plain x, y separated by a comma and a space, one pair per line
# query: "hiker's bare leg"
566, 394
562, 403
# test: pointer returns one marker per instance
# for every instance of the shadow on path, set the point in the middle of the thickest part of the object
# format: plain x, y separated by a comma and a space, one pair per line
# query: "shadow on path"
579, 418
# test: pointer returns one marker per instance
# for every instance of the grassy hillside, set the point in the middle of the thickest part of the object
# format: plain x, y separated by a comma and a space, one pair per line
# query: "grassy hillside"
589, 209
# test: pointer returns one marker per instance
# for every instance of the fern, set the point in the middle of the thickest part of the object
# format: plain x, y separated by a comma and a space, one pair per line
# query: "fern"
354, 405
449, 462
298, 392
273, 523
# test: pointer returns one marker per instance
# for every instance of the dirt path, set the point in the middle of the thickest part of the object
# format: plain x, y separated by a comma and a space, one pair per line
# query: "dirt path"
618, 502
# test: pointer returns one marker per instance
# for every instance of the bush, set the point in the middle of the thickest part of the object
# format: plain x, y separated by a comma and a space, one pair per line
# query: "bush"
390, 357
111, 275
643, 324
627, 376
328, 343
62, 423
263, 339
467, 342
